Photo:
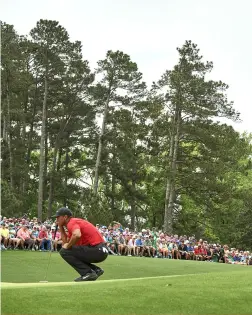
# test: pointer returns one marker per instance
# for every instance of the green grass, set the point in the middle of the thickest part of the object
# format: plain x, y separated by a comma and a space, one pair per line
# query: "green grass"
213, 289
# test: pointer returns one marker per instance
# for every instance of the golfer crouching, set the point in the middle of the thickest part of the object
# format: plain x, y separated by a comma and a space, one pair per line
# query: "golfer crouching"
82, 246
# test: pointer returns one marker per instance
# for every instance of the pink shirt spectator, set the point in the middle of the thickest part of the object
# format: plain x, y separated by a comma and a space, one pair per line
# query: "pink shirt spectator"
23, 234
57, 236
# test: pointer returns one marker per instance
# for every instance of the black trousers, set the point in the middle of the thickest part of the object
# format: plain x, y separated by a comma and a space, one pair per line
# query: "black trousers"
81, 258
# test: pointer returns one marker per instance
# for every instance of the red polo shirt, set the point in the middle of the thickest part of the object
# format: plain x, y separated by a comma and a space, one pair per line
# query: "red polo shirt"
89, 233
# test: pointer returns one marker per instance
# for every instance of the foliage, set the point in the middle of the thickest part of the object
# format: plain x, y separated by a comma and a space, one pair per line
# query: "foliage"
163, 157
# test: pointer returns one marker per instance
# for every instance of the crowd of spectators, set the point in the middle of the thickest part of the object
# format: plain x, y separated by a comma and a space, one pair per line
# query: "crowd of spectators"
30, 234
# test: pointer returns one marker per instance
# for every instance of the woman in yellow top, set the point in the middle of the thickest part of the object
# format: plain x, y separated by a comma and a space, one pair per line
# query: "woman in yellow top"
4, 232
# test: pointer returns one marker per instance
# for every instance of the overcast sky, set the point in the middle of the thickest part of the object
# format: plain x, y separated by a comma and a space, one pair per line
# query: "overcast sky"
150, 30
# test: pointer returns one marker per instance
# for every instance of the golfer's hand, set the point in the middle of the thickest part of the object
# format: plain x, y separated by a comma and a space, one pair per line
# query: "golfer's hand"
65, 246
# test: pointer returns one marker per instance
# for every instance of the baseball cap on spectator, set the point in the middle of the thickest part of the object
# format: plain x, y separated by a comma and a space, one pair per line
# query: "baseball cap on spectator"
63, 211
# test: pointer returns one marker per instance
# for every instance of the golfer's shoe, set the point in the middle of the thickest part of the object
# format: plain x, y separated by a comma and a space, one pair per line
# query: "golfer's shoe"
99, 272
92, 276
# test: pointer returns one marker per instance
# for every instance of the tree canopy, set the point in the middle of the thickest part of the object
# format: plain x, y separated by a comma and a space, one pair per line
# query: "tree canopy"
109, 147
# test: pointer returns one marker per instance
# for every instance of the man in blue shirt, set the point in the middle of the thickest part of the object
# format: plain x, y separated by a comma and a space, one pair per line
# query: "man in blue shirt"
139, 246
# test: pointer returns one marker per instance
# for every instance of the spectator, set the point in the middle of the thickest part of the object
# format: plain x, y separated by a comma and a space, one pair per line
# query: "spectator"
24, 235
121, 241
57, 239
131, 246
4, 235
44, 239
14, 241
139, 245
147, 246
35, 237
182, 248
121, 245
163, 249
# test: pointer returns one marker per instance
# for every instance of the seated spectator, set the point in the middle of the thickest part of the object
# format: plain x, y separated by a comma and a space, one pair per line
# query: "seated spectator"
237, 258
182, 250
121, 245
56, 239
35, 237
215, 253
208, 256
4, 231
197, 252
24, 235
249, 263
163, 249
175, 248
171, 250
147, 246
190, 253
131, 246
203, 252
139, 246
111, 243
154, 245
14, 241
44, 239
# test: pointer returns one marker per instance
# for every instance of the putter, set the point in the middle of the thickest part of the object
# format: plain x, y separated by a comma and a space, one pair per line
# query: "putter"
49, 259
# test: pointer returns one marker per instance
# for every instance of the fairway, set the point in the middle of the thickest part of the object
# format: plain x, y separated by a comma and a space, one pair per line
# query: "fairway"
130, 285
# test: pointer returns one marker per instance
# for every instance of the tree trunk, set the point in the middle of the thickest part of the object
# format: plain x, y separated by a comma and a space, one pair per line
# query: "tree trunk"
60, 151
42, 152
169, 198
133, 212
45, 192
4, 132
167, 215
113, 197
133, 201
25, 175
98, 158
50, 199
66, 178
32, 125
9, 138
52, 176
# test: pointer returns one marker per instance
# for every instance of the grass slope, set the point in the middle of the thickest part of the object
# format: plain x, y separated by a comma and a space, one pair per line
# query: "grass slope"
214, 289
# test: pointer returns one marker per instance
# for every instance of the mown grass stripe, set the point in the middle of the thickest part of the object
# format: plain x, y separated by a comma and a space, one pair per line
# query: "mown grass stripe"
8, 285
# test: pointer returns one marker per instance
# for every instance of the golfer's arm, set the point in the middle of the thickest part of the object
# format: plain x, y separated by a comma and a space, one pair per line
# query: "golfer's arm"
76, 235
63, 234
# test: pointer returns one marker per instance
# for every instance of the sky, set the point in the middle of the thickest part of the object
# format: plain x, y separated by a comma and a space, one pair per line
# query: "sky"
150, 31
